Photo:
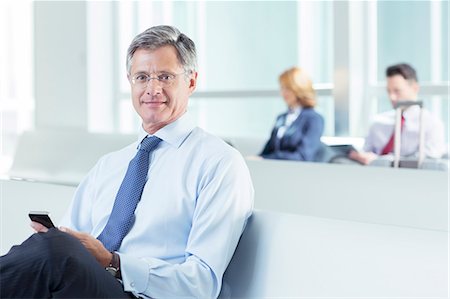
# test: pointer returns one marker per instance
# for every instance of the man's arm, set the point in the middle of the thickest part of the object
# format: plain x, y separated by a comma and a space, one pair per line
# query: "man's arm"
364, 158
434, 141
367, 155
94, 246
223, 205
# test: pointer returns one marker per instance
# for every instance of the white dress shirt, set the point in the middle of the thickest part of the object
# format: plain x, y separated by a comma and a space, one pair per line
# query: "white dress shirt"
192, 212
383, 127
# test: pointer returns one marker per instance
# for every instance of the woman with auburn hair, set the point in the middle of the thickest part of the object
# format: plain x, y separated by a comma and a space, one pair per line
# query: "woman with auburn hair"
296, 135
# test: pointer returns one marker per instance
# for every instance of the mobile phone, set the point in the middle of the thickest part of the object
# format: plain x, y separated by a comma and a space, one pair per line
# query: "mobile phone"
42, 217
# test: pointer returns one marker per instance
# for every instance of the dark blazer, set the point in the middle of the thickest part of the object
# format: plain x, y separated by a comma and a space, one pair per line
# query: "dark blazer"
301, 141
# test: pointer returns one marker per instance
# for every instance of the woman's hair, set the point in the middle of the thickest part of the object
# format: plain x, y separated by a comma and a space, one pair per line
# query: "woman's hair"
160, 36
296, 80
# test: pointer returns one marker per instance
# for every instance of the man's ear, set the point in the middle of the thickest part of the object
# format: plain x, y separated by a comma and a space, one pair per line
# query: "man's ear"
193, 82
416, 87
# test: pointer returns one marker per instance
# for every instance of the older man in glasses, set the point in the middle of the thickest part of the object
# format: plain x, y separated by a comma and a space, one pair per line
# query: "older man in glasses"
160, 218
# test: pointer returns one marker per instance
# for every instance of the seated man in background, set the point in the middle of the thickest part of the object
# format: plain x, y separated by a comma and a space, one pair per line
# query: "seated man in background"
160, 218
402, 84
296, 134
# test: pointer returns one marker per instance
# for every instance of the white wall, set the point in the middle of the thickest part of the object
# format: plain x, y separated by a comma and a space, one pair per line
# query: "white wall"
60, 64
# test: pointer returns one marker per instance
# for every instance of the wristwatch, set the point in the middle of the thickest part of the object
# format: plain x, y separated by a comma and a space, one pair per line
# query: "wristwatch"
114, 266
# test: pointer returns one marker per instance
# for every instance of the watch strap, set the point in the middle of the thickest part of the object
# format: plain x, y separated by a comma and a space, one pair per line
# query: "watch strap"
114, 265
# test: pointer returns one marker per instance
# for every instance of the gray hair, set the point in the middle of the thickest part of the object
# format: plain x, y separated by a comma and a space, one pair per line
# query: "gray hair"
160, 36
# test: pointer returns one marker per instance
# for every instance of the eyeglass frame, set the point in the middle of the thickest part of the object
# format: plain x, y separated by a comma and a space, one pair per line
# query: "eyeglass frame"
149, 77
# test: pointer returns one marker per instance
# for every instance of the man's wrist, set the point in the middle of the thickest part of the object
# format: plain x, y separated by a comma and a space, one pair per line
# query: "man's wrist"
114, 266
106, 260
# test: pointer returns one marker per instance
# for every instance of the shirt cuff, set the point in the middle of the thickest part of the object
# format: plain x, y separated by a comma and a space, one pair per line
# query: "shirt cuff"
134, 274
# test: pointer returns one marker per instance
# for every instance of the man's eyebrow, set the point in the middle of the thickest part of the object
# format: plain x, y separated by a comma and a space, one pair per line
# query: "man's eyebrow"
157, 72
140, 73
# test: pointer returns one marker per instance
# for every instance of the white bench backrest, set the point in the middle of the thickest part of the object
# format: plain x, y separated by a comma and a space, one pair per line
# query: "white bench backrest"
293, 256
62, 156
405, 197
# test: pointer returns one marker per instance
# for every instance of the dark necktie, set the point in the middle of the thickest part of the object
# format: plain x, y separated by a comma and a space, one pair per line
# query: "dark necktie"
390, 145
122, 216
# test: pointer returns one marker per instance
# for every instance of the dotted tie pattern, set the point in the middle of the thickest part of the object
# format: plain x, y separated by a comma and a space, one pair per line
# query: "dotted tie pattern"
122, 216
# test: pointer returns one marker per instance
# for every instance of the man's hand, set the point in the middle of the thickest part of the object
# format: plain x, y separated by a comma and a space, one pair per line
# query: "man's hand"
39, 228
364, 158
94, 246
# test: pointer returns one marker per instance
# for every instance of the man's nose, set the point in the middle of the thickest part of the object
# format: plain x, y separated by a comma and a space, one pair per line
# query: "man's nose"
393, 96
154, 86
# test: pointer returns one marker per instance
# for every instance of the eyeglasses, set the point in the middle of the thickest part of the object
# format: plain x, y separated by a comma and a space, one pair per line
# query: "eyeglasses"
165, 79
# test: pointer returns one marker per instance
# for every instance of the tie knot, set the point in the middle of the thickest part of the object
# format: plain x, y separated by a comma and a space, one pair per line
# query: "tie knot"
149, 143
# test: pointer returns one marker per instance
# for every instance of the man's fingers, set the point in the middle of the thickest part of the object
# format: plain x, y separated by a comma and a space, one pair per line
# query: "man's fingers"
70, 232
83, 237
39, 228
94, 246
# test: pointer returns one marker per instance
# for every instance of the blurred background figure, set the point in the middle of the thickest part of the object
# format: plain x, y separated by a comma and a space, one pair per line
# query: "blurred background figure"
402, 84
296, 134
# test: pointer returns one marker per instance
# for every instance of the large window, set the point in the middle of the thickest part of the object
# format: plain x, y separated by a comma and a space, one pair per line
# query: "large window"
383, 33
242, 48
16, 75
415, 32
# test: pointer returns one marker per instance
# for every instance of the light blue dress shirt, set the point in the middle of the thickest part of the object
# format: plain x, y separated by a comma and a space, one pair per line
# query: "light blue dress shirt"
192, 212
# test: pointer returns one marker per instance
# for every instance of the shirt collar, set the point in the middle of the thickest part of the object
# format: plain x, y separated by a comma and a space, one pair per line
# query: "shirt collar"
295, 111
174, 133
411, 111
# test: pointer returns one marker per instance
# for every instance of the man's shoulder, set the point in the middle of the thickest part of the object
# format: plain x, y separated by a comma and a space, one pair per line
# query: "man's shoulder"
432, 116
199, 135
208, 144
384, 118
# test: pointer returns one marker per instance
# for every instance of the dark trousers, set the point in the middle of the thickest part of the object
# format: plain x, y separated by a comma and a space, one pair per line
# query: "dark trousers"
55, 265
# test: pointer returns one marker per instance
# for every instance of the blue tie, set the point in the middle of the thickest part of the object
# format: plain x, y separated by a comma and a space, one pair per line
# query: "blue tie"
122, 216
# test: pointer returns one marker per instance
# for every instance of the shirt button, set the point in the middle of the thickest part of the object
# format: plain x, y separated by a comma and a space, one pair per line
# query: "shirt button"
132, 284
